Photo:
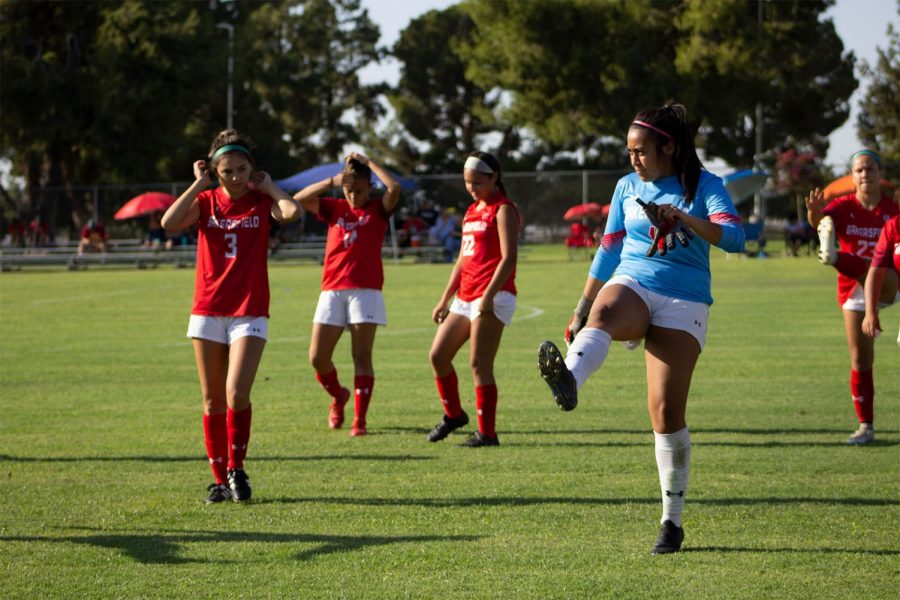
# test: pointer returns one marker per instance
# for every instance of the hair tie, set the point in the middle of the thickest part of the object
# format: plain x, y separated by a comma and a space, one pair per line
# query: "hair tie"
230, 148
865, 152
656, 129
476, 164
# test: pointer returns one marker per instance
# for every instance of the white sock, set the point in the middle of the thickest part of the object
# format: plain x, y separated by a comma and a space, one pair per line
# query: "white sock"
587, 353
673, 459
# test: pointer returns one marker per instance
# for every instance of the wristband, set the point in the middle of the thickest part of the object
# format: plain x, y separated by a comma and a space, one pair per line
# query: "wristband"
583, 307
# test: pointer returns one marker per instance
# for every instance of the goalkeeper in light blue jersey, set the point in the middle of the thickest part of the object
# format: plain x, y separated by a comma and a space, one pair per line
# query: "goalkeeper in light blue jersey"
650, 280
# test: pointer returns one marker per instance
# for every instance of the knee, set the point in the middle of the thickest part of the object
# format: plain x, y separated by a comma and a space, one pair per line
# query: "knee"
362, 359
482, 370
319, 361
238, 399
213, 405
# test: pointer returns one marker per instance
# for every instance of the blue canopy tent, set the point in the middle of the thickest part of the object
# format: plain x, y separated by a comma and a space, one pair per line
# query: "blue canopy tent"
304, 178
743, 184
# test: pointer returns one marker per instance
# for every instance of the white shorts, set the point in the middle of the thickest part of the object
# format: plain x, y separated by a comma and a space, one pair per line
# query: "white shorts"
668, 312
857, 300
504, 307
226, 330
349, 307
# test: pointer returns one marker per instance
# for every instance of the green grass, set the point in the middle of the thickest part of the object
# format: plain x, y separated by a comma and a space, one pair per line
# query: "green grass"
103, 474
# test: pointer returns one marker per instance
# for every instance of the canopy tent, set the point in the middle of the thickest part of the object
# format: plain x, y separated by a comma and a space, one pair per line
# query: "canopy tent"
302, 179
743, 184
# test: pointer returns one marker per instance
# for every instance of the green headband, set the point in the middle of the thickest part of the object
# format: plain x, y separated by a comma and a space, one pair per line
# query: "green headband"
865, 152
230, 148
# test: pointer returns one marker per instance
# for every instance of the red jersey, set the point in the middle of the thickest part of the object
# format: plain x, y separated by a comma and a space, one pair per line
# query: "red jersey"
857, 230
480, 249
353, 247
232, 278
887, 250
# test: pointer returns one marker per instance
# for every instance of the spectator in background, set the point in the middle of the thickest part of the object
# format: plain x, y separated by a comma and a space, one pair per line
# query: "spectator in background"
428, 213
37, 232
442, 227
156, 235
797, 233
16, 231
453, 239
93, 237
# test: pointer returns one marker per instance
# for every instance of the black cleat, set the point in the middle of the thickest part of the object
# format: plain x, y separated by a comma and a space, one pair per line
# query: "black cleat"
218, 492
478, 440
669, 540
447, 426
239, 484
557, 375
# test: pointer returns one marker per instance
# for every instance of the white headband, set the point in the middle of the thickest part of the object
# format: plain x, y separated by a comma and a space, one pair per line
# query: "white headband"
476, 164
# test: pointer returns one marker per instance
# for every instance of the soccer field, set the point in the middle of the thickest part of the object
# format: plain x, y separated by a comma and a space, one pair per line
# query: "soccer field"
103, 468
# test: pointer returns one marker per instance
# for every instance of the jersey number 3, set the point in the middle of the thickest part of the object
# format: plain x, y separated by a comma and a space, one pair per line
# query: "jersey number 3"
231, 241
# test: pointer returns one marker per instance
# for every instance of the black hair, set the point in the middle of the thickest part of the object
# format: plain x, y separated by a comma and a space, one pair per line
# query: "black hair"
494, 163
672, 119
228, 137
354, 169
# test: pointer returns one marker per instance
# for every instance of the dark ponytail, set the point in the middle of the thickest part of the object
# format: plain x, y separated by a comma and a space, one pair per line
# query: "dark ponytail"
494, 163
669, 123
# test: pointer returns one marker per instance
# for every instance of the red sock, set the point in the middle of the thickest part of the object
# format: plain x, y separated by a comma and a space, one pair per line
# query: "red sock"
448, 390
238, 436
363, 385
862, 388
850, 265
215, 433
486, 403
331, 384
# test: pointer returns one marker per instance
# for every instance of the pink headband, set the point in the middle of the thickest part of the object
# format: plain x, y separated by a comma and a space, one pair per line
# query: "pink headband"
656, 129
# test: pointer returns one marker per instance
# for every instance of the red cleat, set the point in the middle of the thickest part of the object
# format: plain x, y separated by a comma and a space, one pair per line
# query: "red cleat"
358, 428
336, 414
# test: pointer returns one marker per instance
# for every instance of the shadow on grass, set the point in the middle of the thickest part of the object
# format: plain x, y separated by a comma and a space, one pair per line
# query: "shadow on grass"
699, 443
200, 457
163, 548
718, 549
838, 431
543, 500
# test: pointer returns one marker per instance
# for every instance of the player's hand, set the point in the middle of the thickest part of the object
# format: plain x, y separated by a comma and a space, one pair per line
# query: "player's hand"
664, 219
201, 171
871, 325
440, 313
576, 324
361, 158
485, 305
260, 180
578, 320
815, 202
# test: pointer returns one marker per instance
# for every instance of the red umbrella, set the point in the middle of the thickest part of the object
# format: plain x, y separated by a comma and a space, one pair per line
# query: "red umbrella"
590, 210
844, 185
144, 204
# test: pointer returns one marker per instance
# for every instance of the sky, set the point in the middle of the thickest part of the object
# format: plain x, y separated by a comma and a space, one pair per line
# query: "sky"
861, 24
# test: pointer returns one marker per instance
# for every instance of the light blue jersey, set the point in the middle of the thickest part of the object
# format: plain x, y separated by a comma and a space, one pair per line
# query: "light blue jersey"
683, 272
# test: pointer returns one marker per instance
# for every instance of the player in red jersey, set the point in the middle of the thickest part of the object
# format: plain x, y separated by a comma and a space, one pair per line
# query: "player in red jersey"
856, 221
883, 273
229, 319
351, 295
483, 280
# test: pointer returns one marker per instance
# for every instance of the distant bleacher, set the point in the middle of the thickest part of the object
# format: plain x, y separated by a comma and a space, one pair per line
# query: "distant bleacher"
124, 252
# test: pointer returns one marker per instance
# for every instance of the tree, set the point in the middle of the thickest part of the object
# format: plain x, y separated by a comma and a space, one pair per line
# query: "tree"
306, 57
878, 123
439, 111
570, 66
133, 91
792, 63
